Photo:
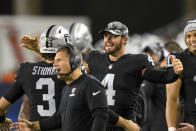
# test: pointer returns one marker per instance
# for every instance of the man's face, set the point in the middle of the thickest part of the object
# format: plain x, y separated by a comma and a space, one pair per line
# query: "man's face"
61, 63
113, 43
190, 39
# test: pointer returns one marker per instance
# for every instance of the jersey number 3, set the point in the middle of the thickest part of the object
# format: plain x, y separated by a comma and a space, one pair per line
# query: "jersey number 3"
47, 97
110, 92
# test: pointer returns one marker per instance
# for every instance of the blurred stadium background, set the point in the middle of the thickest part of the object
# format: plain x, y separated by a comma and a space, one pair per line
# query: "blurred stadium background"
147, 20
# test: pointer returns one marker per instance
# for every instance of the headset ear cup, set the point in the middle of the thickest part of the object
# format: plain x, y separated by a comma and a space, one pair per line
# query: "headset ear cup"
75, 61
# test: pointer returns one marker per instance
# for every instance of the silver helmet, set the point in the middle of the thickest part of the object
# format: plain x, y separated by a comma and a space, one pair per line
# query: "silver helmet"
81, 36
53, 38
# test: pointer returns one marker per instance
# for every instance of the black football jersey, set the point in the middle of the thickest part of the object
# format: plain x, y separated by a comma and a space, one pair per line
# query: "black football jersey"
121, 79
42, 88
188, 88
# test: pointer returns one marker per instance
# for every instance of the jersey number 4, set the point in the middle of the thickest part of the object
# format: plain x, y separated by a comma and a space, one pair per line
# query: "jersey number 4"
110, 92
47, 97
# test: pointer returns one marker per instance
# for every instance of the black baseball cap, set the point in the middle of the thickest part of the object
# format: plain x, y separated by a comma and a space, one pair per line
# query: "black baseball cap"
116, 28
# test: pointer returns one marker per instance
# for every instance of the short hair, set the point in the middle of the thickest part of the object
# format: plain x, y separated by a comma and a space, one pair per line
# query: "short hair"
173, 46
74, 55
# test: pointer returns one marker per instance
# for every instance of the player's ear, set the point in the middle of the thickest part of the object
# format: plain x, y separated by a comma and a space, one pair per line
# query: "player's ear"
125, 39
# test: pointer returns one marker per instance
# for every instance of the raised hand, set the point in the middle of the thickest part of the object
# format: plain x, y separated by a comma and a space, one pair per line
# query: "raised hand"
30, 43
177, 65
22, 125
5, 125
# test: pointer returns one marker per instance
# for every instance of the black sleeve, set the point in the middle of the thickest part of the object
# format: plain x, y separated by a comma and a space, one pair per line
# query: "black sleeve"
100, 119
87, 57
145, 60
15, 91
90, 58
162, 75
51, 123
113, 117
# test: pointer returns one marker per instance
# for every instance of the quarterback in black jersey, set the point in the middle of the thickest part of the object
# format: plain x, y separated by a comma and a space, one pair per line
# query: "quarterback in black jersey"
122, 74
185, 85
37, 81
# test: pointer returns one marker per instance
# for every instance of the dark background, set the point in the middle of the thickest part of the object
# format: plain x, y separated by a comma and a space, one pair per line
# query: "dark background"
139, 15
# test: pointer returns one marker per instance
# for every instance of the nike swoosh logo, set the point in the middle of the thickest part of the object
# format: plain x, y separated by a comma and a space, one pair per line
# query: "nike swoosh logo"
72, 95
95, 93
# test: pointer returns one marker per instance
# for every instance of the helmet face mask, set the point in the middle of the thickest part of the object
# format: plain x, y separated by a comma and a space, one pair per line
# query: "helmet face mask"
53, 38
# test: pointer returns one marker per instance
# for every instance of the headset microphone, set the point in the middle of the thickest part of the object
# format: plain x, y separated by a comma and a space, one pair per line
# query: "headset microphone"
61, 74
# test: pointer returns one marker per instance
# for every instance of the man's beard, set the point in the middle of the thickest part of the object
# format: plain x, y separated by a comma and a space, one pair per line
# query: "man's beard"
194, 51
116, 49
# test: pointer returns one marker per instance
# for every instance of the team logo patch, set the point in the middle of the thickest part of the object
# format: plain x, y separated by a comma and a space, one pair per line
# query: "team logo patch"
72, 92
110, 66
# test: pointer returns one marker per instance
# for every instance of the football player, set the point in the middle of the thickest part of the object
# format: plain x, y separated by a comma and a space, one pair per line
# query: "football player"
154, 93
185, 85
122, 74
37, 81
81, 37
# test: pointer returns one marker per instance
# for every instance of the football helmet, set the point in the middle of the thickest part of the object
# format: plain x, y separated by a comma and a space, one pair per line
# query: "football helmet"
53, 38
81, 36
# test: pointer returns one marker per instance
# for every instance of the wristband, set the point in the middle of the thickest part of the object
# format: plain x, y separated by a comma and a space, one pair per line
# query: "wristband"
171, 129
2, 118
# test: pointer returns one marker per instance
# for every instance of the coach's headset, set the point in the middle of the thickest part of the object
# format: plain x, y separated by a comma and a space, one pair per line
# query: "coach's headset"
75, 58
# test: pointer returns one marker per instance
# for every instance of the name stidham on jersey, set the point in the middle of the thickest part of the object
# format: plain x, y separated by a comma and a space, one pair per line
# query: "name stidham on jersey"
38, 70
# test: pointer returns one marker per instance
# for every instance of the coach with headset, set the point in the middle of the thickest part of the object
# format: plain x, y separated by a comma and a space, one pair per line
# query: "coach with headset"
83, 105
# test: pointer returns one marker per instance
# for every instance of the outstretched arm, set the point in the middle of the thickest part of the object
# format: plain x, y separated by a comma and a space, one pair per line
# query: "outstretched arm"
24, 110
164, 75
4, 122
